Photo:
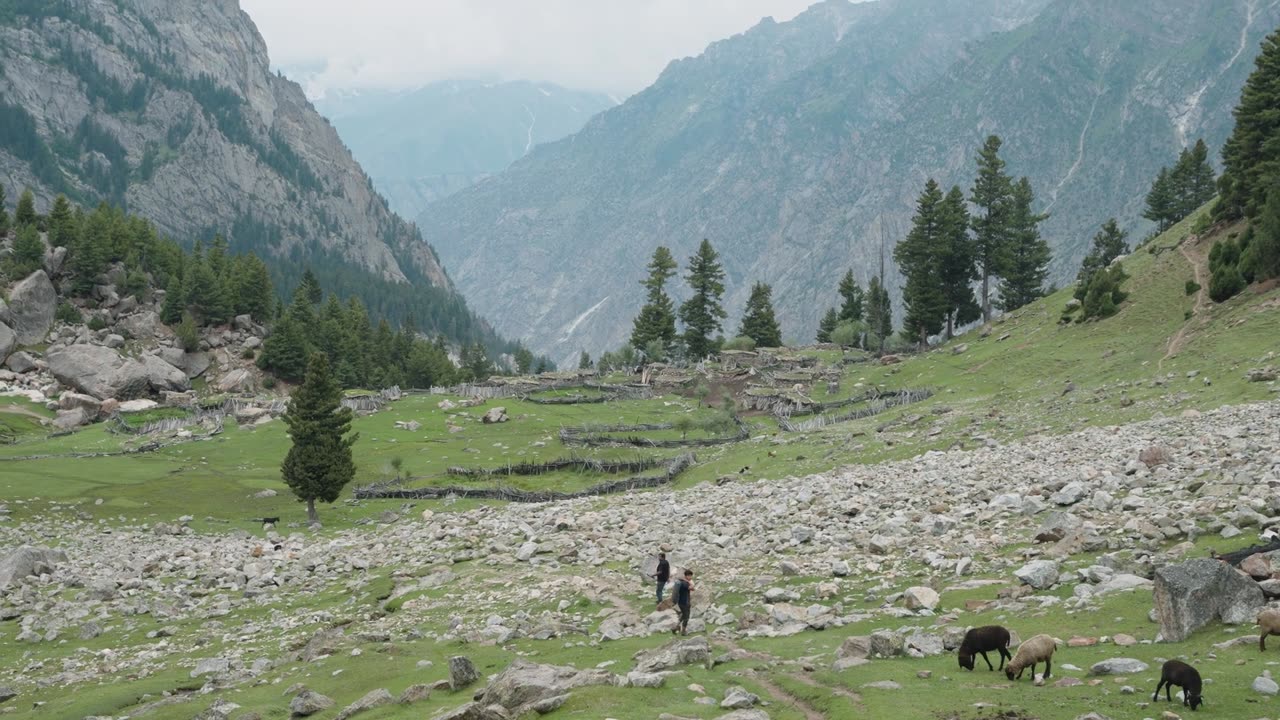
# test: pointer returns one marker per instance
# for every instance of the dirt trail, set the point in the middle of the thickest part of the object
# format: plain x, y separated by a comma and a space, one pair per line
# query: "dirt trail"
1199, 268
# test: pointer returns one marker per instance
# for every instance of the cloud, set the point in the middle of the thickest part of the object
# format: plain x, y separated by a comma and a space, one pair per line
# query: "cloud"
617, 46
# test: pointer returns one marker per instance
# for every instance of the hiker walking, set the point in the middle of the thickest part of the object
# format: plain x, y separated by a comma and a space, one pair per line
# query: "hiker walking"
662, 575
683, 593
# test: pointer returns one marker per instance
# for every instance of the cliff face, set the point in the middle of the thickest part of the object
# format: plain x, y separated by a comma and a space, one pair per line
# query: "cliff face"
798, 149
170, 107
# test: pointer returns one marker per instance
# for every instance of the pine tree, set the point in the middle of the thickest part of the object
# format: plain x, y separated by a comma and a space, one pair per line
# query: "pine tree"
1251, 156
956, 262
657, 319
188, 334
584, 361
918, 257
26, 212
879, 314
319, 462
207, 293
1264, 248
851, 296
1028, 255
88, 258
286, 350
1161, 202
253, 293
1108, 245
991, 195
828, 324
703, 313
476, 362
524, 360
28, 251
310, 288
4, 212
759, 322
175, 301
1200, 185
61, 230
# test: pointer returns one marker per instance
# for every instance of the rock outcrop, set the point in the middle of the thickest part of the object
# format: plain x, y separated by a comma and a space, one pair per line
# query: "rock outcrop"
27, 560
104, 373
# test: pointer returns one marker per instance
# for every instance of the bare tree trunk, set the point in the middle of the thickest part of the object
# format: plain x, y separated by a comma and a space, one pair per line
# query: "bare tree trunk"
312, 517
986, 297
951, 324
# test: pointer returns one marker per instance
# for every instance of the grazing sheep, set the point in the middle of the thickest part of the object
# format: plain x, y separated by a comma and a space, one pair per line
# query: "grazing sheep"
1268, 624
1038, 649
1176, 672
981, 640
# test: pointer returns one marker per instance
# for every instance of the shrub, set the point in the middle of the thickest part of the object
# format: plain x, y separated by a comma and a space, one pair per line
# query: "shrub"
96, 323
1226, 283
740, 343
1192, 287
68, 313
269, 382
248, 354
848, 334
1103, 297
188, 334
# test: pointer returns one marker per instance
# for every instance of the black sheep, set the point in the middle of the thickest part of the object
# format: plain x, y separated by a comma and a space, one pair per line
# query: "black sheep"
981, 640
1176, 672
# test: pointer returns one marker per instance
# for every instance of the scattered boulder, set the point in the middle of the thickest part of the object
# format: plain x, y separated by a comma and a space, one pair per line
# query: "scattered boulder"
309, 702
376, 698
1153, 455
461, 672
141, 326
1266, 374
21, 362
27, 560
1265, 685
32, 304
1192, 594
71, 419
737, 698
7, 694
524, 685
685, 651
236, 381
1039, 574
1057, 525
1118, 666
495, 415
1070, 494
917, 598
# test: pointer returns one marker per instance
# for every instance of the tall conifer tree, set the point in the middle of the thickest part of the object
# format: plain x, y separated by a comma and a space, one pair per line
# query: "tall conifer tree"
759, 322
1251, 156
991, 196
918, 256
1028, 255
703, 313
657, 319
956, 262
319, 462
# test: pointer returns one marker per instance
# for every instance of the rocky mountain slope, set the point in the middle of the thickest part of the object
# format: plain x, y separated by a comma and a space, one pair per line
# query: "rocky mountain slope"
798, 149
425, 144
171, 109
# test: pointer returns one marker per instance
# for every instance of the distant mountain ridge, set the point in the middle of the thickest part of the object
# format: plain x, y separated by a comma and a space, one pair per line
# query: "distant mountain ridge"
798, 149
170, 107
424, 144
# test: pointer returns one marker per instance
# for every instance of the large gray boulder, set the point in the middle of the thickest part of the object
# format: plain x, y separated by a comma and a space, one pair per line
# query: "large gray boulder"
141, 326
32, 304
8, 341
461, 672
1039, 574
688, 651
1194, 593
25, 561
105, 373
524, 684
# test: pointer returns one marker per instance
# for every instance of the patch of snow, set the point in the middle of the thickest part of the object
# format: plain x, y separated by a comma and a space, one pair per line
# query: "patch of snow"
579, 320
544, 92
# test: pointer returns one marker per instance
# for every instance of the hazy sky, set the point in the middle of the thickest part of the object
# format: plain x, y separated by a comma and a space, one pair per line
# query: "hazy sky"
616, 46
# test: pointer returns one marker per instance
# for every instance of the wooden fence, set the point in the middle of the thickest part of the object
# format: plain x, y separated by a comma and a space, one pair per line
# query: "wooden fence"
875, 407
389, 491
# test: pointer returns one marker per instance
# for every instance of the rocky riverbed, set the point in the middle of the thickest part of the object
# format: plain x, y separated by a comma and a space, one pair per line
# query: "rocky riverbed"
1100, 510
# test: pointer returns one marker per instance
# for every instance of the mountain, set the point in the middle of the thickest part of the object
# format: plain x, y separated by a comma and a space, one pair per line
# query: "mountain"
798, 149
169, 108
424, 144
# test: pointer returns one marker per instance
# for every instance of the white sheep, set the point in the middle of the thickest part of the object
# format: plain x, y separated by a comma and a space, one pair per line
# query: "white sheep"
1038, 649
